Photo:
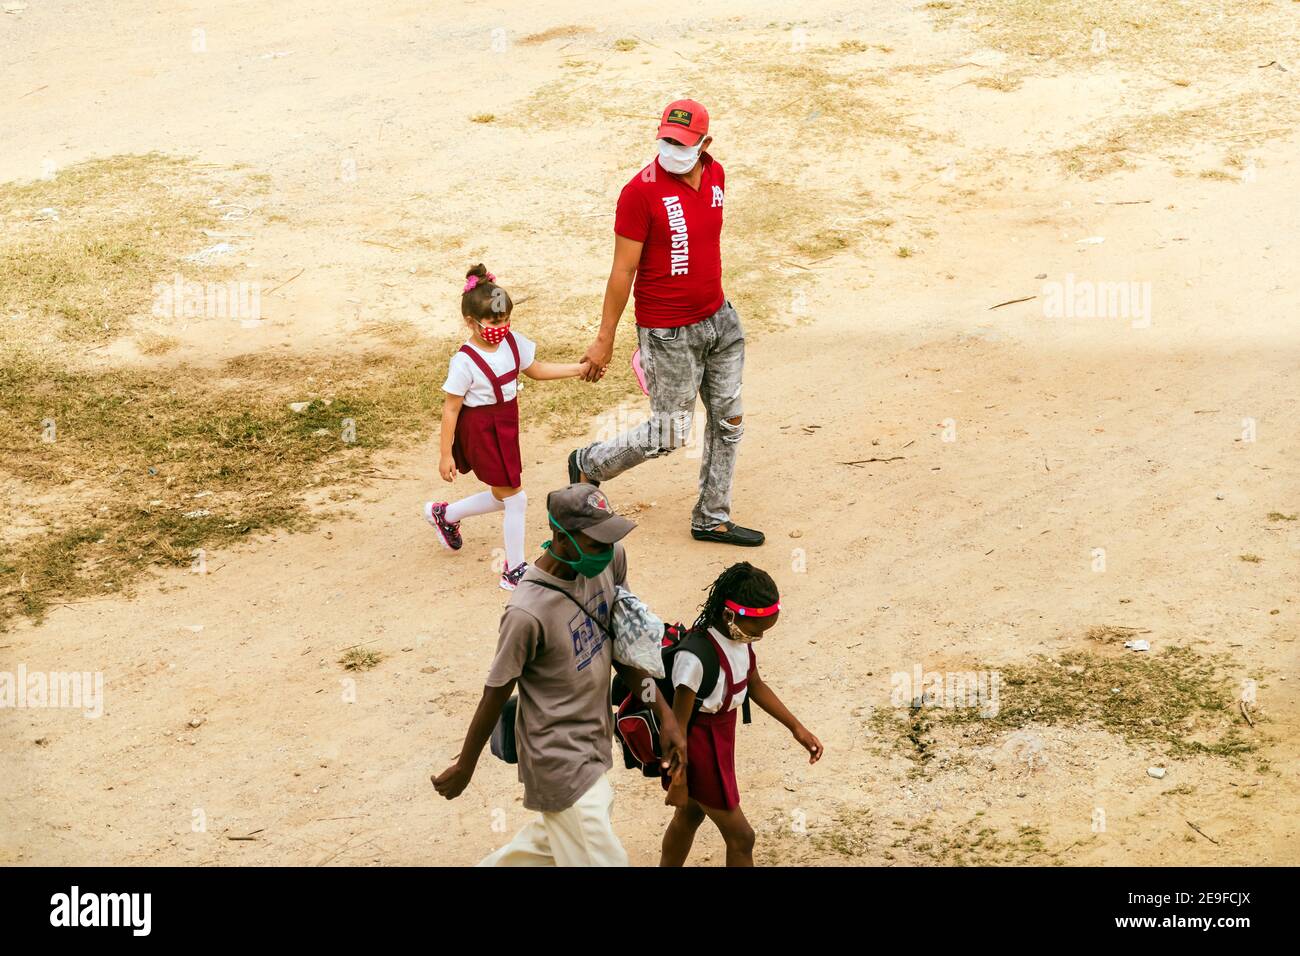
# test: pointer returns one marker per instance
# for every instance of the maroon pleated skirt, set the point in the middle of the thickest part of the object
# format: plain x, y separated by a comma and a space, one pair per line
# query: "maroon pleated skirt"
711, 761
487, 443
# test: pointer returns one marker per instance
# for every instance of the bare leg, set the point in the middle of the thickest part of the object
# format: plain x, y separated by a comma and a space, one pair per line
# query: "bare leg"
737, 834
680, 834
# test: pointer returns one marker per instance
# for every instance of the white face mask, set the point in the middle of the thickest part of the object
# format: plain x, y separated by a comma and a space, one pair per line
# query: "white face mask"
736, 634
679, 160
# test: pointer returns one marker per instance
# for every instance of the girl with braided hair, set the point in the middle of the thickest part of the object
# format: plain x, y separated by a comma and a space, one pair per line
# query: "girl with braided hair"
742, 606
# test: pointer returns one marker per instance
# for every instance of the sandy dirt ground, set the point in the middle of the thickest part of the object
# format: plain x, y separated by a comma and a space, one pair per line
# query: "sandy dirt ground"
1027, 440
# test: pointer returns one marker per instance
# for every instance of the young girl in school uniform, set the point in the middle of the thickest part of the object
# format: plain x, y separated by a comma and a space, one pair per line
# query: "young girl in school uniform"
742, 606
480, 419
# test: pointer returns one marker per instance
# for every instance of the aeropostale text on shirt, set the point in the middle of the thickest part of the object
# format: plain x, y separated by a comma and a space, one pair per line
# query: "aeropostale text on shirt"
681, 255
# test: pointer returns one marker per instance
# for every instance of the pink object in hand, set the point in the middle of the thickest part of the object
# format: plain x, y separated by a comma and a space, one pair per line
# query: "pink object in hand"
640, 372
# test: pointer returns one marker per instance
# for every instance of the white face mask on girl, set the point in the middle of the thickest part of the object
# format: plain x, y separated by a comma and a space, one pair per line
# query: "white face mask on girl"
736, 634
679, 160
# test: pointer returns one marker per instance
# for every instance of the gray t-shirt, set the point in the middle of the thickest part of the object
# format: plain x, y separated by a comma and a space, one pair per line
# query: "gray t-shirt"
562, 662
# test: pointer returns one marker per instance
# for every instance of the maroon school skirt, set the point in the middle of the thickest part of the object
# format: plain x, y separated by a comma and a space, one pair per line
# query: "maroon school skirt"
711, 761
487, 443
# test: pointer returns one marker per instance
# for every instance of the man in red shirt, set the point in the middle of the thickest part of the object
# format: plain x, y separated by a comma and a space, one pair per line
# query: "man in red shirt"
667, 232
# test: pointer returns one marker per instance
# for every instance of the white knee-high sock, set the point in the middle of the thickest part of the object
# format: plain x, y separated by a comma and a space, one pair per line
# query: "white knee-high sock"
513, 525
479, 504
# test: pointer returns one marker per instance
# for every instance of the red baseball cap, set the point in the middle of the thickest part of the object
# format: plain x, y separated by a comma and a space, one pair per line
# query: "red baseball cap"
685, 121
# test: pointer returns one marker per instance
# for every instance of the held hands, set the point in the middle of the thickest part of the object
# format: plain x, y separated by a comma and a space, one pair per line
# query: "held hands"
678, 794
673, 743
447, 467
809, 743
597, 359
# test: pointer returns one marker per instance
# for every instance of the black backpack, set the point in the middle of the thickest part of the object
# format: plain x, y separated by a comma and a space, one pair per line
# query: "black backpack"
636, 713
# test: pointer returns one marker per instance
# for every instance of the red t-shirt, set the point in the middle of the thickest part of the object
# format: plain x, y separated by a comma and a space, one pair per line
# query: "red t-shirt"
679, 280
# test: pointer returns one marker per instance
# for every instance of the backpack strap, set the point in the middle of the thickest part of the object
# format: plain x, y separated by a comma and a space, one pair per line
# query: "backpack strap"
744, 704
698, 643
576, 603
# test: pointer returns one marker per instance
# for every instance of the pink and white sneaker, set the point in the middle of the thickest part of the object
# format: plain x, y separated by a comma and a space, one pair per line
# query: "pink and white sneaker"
435, 512
510, 579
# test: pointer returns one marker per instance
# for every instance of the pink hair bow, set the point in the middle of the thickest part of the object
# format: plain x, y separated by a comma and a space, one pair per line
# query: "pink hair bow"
472, 281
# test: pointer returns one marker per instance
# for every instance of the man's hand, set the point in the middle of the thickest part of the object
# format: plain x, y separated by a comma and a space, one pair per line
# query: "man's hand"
597, 359
451, 783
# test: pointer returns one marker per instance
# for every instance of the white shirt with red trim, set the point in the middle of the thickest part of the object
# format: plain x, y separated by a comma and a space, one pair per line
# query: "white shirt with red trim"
688, 671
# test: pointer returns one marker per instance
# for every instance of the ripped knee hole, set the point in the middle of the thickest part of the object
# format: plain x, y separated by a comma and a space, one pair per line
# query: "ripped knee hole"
732, 428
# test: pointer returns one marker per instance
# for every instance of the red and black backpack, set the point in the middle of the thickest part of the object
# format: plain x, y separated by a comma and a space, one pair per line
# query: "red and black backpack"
634, 718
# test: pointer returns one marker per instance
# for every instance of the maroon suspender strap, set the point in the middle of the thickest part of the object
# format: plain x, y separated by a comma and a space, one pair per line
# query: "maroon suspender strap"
514, 350
483, 366
496, 380
726, 672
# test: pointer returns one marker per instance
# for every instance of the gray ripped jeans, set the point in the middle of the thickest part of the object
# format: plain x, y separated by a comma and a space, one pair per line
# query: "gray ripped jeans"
706, 358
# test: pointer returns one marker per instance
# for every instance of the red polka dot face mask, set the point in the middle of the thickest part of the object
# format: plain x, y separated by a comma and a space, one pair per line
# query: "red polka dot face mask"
494, 334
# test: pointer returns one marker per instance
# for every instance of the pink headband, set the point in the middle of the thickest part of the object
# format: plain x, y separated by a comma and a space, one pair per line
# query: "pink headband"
473, 281
753, 611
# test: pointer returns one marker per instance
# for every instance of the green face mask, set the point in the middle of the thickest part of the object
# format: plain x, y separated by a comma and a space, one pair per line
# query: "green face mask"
588, 565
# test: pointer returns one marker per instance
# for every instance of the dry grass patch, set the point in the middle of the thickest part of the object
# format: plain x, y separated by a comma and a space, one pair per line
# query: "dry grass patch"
1002, 82
1110, 633
155, 343
822, 93
1177, 702
360, 659
854, 833
1130, 32
148, 466
555, 33
1240, 120
974, 843
397, 332
82, 250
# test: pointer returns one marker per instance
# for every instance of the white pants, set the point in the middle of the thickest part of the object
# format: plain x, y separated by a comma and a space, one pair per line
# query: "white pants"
579, 836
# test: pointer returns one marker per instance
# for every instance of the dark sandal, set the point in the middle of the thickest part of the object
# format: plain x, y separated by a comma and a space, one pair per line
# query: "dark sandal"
735, 534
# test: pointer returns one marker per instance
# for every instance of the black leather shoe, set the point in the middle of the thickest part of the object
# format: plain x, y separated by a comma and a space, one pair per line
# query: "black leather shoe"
735, 534
575, 473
